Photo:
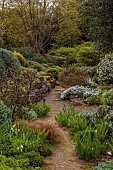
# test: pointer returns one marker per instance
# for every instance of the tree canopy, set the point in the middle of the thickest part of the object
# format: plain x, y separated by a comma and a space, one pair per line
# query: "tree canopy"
35, 23
96, 21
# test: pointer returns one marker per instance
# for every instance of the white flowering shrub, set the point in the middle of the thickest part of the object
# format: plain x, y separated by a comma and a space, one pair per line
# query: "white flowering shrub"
74, 90
105, 69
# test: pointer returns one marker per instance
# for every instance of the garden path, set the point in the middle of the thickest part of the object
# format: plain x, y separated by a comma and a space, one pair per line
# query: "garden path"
64, 155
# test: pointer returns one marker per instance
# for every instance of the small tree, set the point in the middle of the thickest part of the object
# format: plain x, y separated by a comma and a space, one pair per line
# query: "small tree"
16, 91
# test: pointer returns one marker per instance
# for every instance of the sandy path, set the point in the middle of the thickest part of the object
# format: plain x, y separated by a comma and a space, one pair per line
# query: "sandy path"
64, 155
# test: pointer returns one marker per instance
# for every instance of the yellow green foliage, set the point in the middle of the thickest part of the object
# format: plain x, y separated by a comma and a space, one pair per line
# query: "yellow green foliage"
21, 58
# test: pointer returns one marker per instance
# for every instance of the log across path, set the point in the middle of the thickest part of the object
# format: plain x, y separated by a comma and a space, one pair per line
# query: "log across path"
64, 156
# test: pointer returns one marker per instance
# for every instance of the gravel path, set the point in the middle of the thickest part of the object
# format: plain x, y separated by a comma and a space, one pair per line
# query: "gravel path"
64, 155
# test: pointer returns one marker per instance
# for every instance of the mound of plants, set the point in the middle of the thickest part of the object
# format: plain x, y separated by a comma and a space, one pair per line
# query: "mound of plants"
36, 65
27, 52
79, 90
105, 69
91, 130
53, 71
86, 54
63, 51
8, 63
40, 59
107, 97
69, 76
21, 58
32, 112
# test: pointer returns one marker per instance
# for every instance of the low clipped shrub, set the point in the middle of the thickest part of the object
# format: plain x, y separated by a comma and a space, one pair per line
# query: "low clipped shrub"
88, 56
37, 66
68, 53
21, 58
88, 44
106, 165
107, 97
40, 59
105, 69
69, 76
27, 52
63, 51
8, 63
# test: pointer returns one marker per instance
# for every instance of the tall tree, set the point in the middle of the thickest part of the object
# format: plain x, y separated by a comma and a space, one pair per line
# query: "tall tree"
68, 31
36, 22
96, 21
33, 19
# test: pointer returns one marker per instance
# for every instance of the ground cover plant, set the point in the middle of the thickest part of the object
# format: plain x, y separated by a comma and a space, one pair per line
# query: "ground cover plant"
23, 147
79, 91
107, 165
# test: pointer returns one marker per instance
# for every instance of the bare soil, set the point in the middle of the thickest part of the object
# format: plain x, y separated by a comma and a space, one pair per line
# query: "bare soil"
64, 155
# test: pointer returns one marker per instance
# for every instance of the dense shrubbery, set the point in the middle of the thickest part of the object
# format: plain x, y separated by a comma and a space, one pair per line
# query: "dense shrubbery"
24, 147
40, 59
23, 88
85, 54
88, 56
8, 62
69, 76
92, 130
64, 51
21, 146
